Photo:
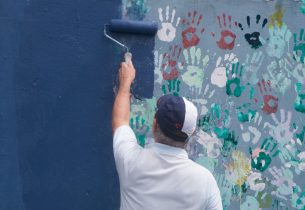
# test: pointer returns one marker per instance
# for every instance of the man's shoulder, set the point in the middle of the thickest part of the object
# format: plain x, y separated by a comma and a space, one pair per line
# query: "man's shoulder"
123, 134
200, 170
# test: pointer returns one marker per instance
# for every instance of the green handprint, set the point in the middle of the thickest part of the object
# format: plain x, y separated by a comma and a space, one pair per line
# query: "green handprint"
173, 87
303, 7
301, 135
140, 129
204, 123
137, 9
298, 103
221, 120
299, 45
262, 160
244, 112
298, 200
236, 74
278, 205
229, 144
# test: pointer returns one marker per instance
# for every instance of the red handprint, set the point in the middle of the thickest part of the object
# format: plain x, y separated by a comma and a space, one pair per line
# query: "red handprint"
270, 102
171, 62
227, 37
189, 35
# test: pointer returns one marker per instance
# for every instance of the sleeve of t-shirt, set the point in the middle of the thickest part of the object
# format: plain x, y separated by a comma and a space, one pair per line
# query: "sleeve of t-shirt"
214, 201
125, 148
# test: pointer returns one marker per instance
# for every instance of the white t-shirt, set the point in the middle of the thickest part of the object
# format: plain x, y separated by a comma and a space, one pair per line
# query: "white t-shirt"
161, 177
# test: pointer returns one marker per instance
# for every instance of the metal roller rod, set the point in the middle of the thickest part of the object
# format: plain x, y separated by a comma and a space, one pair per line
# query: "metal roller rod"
116, 41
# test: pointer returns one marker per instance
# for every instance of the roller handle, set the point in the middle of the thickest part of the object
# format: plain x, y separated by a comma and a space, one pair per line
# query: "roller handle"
128, 57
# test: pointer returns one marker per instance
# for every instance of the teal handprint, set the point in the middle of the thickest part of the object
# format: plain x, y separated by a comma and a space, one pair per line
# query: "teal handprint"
299, 45
262, 157
303, 7
172, 87
301, 135
299, 103
136, 9
221, 119
298, 198
233, 86
204, 123
140, 128
229, 144
246, 112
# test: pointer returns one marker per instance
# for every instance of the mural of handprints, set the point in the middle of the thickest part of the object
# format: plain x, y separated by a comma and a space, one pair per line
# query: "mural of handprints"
242, 63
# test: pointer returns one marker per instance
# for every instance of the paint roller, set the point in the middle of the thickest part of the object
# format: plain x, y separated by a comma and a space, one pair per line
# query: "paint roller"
130, 27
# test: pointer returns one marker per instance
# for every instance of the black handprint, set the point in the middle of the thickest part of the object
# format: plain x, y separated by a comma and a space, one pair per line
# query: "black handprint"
253, 38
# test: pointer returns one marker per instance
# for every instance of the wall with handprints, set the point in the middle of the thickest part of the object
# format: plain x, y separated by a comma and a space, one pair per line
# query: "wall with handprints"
242, 63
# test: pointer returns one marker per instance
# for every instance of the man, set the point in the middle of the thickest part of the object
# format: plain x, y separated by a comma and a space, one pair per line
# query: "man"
160, 177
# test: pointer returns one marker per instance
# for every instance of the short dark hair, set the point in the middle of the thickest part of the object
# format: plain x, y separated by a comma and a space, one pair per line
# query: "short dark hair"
162, 138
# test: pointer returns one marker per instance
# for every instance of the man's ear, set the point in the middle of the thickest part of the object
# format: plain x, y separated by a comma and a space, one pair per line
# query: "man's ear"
155, 124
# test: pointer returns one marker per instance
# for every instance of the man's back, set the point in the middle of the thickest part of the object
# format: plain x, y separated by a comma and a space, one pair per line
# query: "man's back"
161, 177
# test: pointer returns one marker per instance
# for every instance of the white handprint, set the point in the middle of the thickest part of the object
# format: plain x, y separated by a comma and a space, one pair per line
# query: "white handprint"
252, 130
250, 203
279, 38
301, 165
196, 64
218, 76
251, 66
210, 142
255, 181
283, 180
281, 131
202, 101
288, 154
158, 67
293, 65
278, 77
167, 33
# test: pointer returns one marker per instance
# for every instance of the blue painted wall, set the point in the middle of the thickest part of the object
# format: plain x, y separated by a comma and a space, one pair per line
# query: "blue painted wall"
57, 73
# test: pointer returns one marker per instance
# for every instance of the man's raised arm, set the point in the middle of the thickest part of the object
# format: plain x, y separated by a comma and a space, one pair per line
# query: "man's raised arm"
121, 107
